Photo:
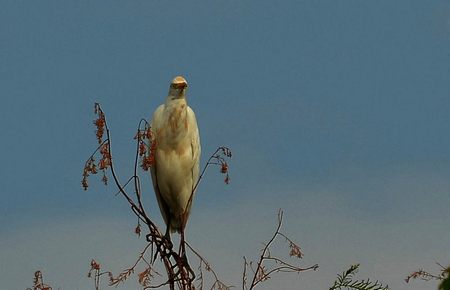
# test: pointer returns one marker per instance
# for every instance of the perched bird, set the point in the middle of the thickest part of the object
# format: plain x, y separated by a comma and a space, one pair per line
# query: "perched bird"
175, 172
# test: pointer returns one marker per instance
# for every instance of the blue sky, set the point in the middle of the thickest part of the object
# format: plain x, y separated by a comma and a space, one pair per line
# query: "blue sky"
336, 111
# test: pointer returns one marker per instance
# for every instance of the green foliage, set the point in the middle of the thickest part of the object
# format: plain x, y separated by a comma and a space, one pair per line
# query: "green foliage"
346, 281
445, 284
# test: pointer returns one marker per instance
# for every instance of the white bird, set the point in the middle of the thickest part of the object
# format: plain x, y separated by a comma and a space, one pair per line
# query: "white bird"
175, 172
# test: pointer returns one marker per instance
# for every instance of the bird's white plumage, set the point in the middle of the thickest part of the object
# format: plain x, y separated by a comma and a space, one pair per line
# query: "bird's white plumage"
177, 156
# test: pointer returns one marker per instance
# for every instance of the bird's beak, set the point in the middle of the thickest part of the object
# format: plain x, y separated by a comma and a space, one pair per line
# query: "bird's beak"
179, 86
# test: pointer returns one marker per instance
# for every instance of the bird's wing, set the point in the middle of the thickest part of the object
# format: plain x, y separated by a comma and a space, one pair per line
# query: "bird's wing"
195, 146
158, 118
157, 122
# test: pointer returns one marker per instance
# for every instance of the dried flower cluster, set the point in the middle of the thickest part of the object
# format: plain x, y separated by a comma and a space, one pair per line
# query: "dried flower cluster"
145, 277
218, 158
261, 273
223, 164
103, 164
100, 123
147, 147
91, 167
95, 266
38, 282
295, 250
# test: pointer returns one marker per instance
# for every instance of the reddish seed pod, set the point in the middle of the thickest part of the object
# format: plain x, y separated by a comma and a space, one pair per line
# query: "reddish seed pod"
137, 230
224, 168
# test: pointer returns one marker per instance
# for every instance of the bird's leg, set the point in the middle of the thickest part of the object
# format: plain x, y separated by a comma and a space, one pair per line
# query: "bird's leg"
182, 253
167, 234
182, 249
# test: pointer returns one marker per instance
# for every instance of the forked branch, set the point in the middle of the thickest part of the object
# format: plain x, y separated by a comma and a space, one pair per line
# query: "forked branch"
268, 265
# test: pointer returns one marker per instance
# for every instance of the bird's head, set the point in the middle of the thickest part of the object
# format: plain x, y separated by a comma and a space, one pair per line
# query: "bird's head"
178, 87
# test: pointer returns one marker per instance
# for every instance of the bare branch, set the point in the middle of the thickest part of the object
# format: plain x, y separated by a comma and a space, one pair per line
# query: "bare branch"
264, 271
208, 267
244, 275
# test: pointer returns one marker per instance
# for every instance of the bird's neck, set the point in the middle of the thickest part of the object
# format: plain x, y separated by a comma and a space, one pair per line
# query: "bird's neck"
176, 116
175, 103
176, 94
176, 100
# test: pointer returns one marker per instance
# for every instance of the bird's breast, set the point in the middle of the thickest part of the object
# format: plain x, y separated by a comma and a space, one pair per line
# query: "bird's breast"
173, 133
177, 120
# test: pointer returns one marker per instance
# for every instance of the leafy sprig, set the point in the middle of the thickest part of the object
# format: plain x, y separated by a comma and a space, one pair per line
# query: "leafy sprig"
346, 281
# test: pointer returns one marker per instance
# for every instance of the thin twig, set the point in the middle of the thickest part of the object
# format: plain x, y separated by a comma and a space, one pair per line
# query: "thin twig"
208, 266
261, 258
261, 274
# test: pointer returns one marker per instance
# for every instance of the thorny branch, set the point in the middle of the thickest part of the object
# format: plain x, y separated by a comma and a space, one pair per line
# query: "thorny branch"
177, 267
264, 271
